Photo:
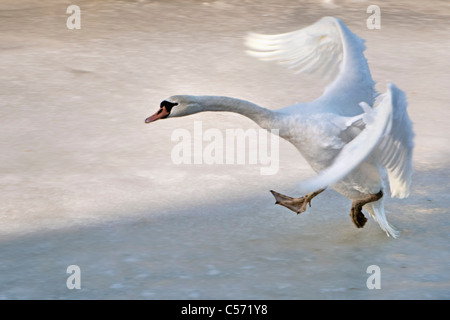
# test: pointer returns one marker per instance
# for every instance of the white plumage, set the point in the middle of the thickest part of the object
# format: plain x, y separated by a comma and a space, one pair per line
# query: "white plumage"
317, 48
350, 135
387, 137
373, 139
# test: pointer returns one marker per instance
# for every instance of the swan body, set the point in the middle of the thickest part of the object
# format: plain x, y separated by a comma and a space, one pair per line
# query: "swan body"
350, 135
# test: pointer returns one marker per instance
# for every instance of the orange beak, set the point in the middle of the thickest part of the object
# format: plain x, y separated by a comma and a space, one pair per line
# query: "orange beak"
161, 114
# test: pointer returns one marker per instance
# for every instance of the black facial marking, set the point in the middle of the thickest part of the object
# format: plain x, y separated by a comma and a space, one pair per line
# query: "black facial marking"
168, 105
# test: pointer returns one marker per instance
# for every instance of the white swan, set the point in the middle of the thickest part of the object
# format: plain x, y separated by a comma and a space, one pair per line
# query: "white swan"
350, 135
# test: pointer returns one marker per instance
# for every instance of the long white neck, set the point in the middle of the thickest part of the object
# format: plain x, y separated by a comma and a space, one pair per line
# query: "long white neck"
265, 118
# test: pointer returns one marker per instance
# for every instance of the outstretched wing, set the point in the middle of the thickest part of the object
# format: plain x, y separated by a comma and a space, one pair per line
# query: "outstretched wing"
315, 49
387, 135
326, 48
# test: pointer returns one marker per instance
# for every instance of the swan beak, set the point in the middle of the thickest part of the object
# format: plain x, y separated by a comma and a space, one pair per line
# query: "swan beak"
161, 114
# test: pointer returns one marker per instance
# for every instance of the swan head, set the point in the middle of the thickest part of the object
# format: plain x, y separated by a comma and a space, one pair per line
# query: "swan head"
175, 106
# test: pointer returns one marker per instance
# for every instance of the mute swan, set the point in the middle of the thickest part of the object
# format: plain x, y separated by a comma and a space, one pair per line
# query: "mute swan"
350, 135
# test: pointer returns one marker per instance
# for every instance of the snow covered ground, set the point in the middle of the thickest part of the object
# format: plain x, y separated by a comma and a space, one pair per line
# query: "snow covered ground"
83, 181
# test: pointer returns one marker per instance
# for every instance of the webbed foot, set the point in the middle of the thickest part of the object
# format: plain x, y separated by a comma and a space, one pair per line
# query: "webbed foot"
298, 205
356, 214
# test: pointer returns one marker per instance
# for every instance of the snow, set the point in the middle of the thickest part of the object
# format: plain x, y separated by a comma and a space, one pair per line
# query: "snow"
84, 181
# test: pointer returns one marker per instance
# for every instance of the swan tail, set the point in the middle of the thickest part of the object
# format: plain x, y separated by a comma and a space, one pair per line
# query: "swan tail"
376, 210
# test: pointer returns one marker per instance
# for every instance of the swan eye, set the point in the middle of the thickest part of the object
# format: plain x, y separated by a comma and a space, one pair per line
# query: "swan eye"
168, 105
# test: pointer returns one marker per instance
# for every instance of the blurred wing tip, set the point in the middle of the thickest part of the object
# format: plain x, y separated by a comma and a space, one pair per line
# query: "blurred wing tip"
310, 185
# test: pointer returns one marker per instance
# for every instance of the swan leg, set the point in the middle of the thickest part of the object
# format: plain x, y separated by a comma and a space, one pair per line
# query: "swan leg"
356, 214
298, 205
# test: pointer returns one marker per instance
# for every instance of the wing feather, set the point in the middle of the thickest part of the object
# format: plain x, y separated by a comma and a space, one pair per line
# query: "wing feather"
396, 151
387, 135
377, 124
329, 50
318, 47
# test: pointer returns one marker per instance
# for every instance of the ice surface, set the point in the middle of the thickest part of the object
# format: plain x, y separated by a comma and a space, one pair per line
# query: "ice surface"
84, 181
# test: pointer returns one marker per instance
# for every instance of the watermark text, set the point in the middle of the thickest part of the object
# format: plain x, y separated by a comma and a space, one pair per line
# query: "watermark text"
236, 146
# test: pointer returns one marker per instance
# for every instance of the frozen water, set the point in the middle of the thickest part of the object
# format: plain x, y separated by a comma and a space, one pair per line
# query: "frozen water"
84, 181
